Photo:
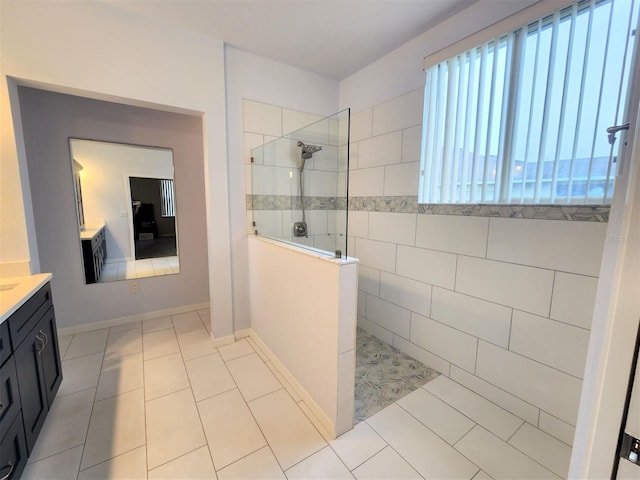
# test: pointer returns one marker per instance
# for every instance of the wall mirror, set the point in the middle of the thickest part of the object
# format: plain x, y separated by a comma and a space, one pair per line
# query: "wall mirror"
126, 210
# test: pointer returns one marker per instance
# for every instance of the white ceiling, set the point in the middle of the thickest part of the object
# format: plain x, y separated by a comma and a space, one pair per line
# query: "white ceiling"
333, 38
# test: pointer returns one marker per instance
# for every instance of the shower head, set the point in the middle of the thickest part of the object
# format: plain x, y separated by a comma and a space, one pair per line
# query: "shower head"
308, 150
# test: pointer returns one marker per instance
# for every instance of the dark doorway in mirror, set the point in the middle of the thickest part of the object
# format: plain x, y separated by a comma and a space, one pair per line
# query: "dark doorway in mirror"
154, 230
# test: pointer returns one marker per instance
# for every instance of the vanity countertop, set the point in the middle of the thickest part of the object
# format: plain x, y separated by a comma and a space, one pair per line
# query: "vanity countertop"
90, 231
15, 291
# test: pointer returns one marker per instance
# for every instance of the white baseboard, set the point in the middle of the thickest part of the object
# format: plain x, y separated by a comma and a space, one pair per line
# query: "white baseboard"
325, 423
245, 332
222, 341
132, 318
119, 260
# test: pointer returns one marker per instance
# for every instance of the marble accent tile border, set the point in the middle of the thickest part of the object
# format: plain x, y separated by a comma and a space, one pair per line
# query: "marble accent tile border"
292, 202
409, 204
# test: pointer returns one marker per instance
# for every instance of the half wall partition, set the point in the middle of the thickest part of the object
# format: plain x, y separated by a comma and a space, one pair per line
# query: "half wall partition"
299, 186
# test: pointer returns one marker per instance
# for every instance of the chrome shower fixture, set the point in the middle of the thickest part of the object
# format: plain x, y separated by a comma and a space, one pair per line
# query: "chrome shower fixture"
308, 150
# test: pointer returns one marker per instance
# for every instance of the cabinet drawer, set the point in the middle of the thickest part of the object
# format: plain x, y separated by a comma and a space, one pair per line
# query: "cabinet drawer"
13, 451
5, 343
28, 315
9, 396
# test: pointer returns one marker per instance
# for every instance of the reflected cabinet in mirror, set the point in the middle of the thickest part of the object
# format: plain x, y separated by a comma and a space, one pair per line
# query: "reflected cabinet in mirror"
126, 210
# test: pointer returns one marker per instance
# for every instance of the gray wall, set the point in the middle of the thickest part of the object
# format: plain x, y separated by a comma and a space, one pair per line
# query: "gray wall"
49, 119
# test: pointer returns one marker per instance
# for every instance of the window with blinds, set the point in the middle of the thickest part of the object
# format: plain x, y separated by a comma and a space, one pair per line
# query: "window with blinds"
522, 118
167, 204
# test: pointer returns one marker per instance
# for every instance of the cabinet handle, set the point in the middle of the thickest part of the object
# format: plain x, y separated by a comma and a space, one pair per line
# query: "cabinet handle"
39, 350
10, 467
46, 339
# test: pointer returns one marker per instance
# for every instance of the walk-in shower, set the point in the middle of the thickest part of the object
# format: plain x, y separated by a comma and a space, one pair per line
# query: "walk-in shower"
299, 186
306, 153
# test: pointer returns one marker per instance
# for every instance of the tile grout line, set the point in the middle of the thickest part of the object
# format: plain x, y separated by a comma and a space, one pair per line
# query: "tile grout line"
86, 434
446, 401
298, 407
392, 448
144, 401
250, 413
268, 445
523, 453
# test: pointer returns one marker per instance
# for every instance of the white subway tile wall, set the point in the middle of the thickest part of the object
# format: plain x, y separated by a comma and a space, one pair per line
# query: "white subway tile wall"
574, 247
428, 266
274, 173
294, 120
509, 284
379, 255
485, 320
262, 118
366, 182
573, 299
553, 343
361, 125
455, 234
407, 293
402, 112
453, 345
501, 305
382, 150
392, 227
389, 316
369, 280
400, 179
411, 144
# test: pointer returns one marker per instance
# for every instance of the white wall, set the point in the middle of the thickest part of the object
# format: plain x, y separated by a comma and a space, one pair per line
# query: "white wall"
401, 71
256, 78
104, 52
104, 180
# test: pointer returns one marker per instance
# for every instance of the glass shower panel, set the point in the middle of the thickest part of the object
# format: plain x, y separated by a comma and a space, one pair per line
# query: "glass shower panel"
299, 186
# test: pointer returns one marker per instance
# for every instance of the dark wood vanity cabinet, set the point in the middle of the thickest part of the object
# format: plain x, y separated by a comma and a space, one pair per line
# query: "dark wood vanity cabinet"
39, 375
30, 376
94, 254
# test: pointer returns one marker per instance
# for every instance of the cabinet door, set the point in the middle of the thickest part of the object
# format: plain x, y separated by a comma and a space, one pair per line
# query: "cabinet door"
33, 392
9, 396
13, 451
50, 355
5, 343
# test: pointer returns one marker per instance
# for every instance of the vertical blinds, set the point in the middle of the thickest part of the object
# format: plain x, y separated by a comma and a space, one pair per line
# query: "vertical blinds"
522, 118
168, 206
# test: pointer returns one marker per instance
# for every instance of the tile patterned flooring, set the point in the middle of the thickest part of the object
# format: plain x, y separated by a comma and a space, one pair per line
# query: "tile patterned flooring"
148, 267
384, 375
156, 400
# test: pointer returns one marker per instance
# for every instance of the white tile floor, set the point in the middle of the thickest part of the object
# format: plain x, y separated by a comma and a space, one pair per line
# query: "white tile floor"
156, 400
147, 267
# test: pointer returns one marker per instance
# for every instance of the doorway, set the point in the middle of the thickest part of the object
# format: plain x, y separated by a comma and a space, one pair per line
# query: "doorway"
153, 218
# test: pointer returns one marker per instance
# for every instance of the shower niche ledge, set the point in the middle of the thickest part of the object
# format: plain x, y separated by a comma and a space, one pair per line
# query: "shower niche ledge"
303, 315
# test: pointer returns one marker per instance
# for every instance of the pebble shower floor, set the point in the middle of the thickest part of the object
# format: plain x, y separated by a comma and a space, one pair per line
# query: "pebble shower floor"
384, 375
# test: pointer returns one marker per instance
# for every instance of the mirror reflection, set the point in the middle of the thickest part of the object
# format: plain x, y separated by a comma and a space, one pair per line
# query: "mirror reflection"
126, 210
